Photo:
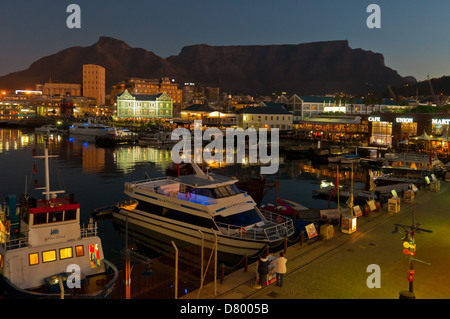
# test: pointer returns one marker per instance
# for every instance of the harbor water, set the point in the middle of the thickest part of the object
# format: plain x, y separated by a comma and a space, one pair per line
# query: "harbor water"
96, 177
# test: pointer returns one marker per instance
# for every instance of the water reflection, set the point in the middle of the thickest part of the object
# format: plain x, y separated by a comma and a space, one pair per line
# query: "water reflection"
97, 175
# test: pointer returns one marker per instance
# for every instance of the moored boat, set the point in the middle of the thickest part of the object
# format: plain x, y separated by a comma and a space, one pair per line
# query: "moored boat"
46, 129
46, 253
186, 206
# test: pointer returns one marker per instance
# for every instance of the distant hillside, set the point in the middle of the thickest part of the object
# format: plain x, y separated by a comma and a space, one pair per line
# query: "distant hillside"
439, 85
310, 68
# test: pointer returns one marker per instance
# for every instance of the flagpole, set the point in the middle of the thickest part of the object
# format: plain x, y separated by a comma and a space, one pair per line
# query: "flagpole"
337, 185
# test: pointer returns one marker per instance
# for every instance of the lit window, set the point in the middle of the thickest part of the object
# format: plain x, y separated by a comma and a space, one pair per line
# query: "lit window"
79, 251
34, 259
65, 253
48, 256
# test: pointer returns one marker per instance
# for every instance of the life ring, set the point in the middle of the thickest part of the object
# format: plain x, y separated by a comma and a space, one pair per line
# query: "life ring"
278, 219
188, 195
242, 231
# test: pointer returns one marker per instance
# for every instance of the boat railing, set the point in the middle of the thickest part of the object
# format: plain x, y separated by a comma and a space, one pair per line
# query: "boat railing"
91, 230
279, 227
188, 197
284, 226
8, 243
242, 232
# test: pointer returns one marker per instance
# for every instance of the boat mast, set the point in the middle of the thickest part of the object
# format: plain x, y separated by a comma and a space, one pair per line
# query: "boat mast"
47, 191
47, 176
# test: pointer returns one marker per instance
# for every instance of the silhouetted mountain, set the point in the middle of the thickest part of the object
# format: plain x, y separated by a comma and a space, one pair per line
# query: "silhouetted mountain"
310, 68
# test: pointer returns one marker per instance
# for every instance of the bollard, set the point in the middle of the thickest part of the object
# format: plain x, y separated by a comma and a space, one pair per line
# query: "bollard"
245, 263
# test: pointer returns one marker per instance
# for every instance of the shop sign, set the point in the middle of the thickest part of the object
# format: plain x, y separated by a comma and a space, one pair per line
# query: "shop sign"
404, 120
374, 119
441, 121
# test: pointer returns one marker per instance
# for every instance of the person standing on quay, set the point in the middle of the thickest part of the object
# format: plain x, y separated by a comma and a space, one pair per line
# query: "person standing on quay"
263, 269
280, 269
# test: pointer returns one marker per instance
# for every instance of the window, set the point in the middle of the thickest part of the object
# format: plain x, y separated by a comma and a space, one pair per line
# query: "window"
33, 258
55, 217
48, 256
79, 251
40, 218
65, 253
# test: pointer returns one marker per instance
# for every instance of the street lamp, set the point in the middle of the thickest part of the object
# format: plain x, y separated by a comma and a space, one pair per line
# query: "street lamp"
409, 246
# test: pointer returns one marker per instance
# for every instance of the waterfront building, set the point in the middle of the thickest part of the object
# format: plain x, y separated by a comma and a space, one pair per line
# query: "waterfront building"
335, 129
209, 116
59, 89
309, 106
94, 82
150, 87
267, 115
141, 106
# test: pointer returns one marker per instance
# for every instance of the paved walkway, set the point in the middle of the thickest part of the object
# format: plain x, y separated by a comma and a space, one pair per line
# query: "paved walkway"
337, 268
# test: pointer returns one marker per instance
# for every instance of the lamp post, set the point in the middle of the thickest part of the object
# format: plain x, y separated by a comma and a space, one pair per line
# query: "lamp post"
409, 246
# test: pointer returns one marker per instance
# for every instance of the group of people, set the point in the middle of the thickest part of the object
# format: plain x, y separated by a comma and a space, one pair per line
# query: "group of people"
263, 269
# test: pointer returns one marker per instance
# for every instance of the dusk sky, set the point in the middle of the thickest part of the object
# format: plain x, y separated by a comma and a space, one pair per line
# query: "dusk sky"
414, 35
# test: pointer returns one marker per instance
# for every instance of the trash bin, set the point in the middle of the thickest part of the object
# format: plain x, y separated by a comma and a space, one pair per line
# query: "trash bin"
394, 205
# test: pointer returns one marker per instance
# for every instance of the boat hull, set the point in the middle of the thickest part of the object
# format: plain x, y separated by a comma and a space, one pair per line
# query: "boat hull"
10, 291
227, 245
89, 132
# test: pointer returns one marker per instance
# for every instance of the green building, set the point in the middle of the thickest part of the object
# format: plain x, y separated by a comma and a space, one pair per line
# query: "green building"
139, 106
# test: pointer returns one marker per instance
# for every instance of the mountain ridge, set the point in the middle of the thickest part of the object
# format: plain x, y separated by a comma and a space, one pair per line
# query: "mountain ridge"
305, 68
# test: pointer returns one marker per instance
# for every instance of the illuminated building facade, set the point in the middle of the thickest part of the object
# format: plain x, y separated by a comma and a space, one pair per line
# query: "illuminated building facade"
94, 82
273, 115
148, 87
140, 106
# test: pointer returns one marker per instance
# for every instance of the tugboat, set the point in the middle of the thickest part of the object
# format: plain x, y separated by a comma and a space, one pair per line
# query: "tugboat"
45, 253
186, 206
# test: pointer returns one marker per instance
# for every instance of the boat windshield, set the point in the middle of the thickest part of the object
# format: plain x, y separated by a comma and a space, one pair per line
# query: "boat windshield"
246, 218
225, 191
218, 192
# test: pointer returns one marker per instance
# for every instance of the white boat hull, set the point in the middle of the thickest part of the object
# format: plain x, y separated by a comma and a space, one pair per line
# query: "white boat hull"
190, 233
89, 132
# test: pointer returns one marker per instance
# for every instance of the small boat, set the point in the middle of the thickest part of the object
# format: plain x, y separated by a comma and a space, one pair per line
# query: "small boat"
349, 159
149, 141
46, 129
106, 211
187, 206
90, 128
285, 207
46, 253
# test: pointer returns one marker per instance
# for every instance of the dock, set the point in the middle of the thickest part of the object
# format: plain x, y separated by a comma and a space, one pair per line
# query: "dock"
336, 268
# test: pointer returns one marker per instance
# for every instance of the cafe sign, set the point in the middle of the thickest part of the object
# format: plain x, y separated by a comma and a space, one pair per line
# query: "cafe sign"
441, 121
374, 119
404, 120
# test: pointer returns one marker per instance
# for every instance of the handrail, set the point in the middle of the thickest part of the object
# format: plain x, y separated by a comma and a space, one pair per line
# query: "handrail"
273, 232
9, 244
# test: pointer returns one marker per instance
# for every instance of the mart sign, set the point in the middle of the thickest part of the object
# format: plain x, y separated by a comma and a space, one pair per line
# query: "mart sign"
441, 121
